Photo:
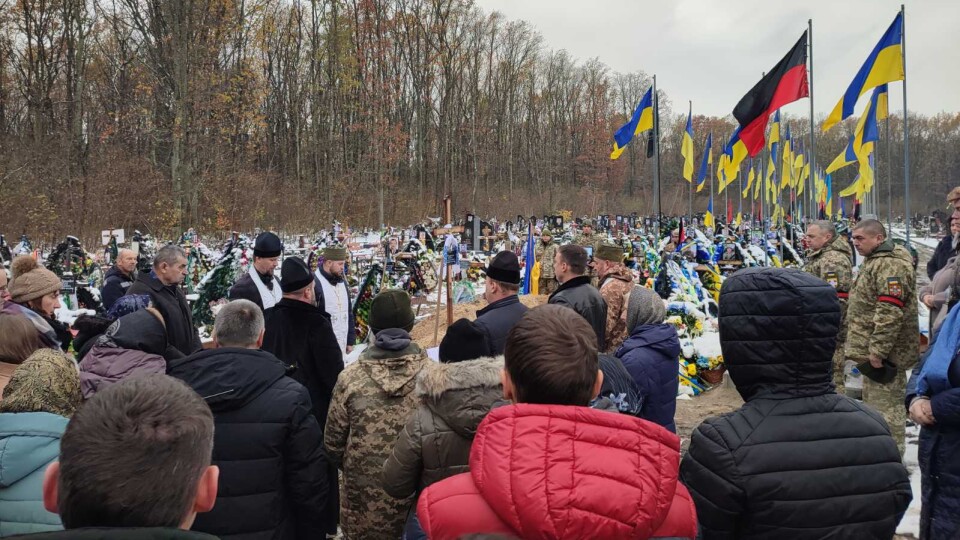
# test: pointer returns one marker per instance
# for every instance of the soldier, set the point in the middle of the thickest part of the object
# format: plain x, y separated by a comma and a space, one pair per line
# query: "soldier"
590, 242
882, 325
372, 400
829, 258
544, 253
616, 282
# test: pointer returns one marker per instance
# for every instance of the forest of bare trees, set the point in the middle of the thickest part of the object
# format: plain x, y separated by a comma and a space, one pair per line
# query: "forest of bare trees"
220, 114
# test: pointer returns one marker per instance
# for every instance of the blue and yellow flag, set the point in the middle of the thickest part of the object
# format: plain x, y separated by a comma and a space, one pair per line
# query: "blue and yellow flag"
708, 217
883, 65
867, 133
774, 133
686, 148
736, 151
642, 120
829, 195
751, 176
705, 163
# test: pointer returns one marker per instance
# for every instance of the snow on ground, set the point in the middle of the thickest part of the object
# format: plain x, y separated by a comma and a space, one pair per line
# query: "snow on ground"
910, 524
926, 241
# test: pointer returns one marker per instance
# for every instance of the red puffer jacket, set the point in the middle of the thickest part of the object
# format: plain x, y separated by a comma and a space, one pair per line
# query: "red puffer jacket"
550, 471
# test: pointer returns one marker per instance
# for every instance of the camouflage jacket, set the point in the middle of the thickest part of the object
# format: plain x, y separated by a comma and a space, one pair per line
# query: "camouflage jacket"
882, 309
614, 288
545, 253
833, 264
372, 401
592, 240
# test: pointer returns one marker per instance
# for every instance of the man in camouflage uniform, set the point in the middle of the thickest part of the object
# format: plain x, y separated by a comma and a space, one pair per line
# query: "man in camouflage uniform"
882, 320
616, 282
829, 258
372, 400
544, 252
589, 241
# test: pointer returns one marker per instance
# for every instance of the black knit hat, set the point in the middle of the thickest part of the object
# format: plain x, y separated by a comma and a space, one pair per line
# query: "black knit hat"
504, 267
391, 309
267, 245
464, 341
294, 275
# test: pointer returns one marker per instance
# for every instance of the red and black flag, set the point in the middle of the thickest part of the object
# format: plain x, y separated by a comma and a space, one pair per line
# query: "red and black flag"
785, 83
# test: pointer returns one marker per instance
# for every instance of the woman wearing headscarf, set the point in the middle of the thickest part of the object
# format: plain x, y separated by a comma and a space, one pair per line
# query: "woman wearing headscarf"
42, 394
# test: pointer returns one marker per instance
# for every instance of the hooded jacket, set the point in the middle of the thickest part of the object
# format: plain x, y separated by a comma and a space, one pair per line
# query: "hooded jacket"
651, 356
133, 344
273, 477
435, 443
579, 295
553, 471
797, 460
371, 403
29, 441
115, 284
172, 304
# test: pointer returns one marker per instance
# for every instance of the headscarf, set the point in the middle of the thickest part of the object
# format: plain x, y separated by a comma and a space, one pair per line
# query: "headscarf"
47, 381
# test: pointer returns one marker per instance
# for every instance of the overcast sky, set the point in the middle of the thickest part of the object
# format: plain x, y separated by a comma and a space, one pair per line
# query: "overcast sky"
713, 51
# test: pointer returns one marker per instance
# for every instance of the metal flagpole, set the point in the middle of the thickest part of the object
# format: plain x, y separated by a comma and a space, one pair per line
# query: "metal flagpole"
886, 121
656, 145
906, 132
690, 202
813, 138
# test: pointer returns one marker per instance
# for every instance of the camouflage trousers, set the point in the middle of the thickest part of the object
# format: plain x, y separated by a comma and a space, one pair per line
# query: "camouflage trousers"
887, 399
547, 286
839, 371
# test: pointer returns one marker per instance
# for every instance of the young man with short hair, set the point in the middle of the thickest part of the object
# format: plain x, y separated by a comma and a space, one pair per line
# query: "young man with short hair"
134, 463
550, 467
576, 292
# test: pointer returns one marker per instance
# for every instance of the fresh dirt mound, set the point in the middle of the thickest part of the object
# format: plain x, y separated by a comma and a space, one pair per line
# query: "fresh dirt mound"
423, 331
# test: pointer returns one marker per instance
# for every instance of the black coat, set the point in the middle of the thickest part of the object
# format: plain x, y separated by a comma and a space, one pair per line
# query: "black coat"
115, 285
941, 255
122, 533
246, 289
351, 319
273, 473
172, 304
300, 335
579, 295
938, 454
498, 319
796, 460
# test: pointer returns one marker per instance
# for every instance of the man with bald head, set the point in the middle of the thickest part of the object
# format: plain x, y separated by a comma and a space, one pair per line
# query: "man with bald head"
883, 331
119, 278
830, 259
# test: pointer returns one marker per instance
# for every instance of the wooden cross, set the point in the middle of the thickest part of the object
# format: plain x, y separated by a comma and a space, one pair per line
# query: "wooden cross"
486, 237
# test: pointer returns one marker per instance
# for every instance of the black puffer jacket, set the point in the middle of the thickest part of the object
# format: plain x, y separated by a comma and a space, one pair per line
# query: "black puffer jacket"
796, 460
436, 441
579, 295
115, 284
268, 445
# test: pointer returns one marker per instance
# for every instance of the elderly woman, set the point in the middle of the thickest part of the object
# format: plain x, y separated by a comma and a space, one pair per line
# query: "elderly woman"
936, 295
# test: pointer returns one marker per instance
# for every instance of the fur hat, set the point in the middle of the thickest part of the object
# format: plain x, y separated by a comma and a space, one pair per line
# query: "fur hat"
391, 309
953, 195
30, 280
644, 306
47, 381
464, 341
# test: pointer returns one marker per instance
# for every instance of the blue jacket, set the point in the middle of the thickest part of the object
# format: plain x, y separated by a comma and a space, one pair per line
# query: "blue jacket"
115, 285
651, 355
28, 443
937, 452
498, 319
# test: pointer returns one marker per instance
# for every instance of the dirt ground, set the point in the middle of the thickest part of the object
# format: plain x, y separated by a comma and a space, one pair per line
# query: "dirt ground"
423, 331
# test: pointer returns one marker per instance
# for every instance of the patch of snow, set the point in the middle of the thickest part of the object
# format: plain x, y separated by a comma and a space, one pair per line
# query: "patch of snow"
910, 524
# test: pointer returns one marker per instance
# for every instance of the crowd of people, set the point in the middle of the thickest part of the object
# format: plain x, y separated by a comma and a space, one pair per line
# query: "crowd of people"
551, 422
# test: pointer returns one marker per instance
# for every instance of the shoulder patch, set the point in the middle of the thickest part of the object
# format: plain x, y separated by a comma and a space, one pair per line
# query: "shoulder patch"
894, 288
832, 279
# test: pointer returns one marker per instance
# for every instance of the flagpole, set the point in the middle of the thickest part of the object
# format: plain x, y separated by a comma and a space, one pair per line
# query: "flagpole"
656, 144
886, 122
906, 132
690, 201
813, 138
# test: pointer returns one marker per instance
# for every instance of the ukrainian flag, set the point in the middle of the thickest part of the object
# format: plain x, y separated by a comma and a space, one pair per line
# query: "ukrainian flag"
706, 163
708, 217
867, 133
642, 120
686, 148
829, 195
736, 151
751, 176
884, 65
774, 132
